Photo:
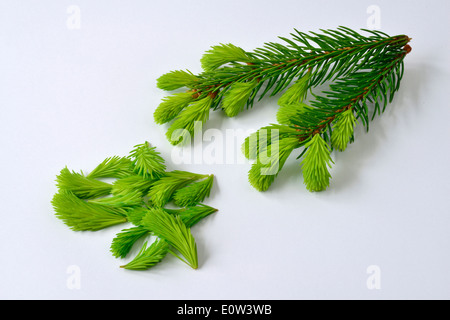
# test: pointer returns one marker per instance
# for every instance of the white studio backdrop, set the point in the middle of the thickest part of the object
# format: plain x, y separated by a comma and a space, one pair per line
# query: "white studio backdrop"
78, 84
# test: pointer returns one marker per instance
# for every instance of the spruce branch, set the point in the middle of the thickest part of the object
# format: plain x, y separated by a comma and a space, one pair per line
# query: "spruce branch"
233, 79
363, 73
330, 118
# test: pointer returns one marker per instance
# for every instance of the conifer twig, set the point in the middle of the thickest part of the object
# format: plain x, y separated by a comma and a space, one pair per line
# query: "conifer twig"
233, 78
363, 72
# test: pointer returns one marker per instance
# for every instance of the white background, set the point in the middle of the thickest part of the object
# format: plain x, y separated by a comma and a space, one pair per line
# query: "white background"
76, 96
